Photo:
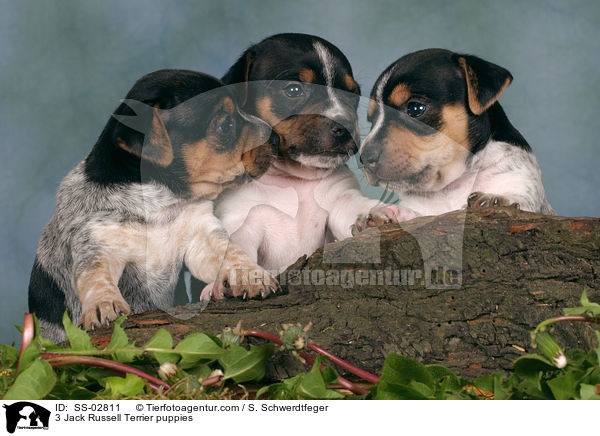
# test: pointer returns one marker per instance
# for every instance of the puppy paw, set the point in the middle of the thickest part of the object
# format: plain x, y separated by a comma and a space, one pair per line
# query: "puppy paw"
208, 293
245, 281
479, 200
382, 215
100, 309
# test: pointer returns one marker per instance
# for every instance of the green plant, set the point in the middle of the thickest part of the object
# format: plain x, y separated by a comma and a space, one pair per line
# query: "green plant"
205, 366
550, 374
81, 371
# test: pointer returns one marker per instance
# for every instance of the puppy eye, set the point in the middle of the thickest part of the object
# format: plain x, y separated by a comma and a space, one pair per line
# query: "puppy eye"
294, 90
225, 126
415, 109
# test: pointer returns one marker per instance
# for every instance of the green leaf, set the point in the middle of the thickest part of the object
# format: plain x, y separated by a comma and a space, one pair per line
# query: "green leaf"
449, 384
187, 386
91, 376
575, 311
423, 389
78, 338
243, 365
389, 391
8, 355
264, 390
330, 376
448, 381
313, 387
439, 371
47, 343
578, 359
198, 347
62, 392
532, 363
33, 383
404, 379
400, 370
119, 340
587, 392
30, 354
162, 339
598, 347
564, 387
495, 384
200, 371
129, 386
592, 375
285, 390
587, 307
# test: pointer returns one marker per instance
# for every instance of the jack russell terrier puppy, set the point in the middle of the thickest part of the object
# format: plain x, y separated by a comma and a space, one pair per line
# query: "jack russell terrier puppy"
139, 205
440, 139
303, 87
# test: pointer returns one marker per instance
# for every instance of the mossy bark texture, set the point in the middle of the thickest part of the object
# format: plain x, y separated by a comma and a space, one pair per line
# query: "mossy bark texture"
462, 289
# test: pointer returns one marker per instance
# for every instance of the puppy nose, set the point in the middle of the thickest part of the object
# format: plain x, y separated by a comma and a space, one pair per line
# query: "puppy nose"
338, 130
340, 133
369, 158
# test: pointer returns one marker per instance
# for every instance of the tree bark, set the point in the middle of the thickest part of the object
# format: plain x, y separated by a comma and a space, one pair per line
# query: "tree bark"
462, 289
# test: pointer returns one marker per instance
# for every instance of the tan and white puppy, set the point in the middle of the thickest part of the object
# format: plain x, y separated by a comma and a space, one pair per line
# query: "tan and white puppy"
440, 139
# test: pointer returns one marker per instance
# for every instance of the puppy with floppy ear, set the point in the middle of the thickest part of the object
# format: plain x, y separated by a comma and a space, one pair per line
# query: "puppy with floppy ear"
441, 140
304, 88
138, 206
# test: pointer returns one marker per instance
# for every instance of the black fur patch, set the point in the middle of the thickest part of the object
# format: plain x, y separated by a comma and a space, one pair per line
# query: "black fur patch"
46, 299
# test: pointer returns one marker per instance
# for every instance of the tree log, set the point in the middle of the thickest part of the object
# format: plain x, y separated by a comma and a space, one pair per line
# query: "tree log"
462, 289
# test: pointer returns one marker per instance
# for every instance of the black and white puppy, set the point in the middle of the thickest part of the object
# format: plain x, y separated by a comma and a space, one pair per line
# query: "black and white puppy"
139, 205
440, 139
304, 88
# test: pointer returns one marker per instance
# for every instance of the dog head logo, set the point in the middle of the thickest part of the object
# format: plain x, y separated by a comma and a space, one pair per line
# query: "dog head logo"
26, 415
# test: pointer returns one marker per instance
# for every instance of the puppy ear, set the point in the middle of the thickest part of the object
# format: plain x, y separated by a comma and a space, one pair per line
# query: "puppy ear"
485, 82
155, 146
240, 73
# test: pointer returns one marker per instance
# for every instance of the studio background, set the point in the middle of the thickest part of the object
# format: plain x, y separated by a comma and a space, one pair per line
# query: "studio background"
64, 66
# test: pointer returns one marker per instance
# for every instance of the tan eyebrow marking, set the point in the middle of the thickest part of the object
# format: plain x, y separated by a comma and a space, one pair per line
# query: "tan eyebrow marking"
307, 76
228, 105
349, 82
399, 95
372, 107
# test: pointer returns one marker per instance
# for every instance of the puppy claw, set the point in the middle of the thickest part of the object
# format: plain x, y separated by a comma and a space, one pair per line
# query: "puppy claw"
202, 305
381, 215
246, 280
480, 200
105, 308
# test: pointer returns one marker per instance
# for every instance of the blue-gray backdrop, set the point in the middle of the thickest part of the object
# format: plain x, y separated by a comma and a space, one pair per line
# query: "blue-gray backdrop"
64, 65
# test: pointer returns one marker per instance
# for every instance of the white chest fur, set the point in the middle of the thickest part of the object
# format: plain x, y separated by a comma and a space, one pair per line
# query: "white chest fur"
278, 218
